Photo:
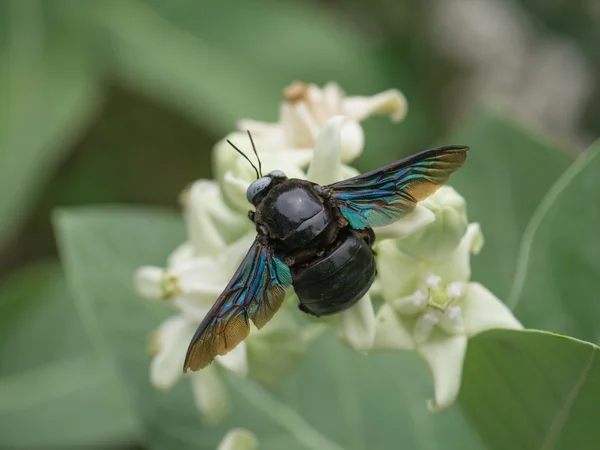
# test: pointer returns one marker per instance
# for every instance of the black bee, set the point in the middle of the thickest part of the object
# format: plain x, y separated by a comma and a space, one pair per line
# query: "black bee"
317, 239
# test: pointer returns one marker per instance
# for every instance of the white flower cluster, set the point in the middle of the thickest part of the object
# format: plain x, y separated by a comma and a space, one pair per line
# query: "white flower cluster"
429, 304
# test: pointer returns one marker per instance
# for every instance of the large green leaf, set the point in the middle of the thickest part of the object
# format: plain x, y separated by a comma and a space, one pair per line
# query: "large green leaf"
220, 61
532, 390
508, 171
338, 399
557, 282
54, 390
48, 92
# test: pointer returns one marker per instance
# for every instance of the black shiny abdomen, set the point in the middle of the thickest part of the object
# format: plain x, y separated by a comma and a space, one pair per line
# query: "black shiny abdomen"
339, 279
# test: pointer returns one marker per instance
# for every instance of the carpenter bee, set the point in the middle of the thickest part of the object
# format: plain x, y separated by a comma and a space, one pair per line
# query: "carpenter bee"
317, 239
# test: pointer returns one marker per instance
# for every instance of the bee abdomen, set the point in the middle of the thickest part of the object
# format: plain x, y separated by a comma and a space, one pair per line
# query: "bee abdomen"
339, 279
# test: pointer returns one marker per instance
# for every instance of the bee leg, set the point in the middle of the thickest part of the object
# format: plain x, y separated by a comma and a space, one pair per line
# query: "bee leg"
368, 235
251, 215
302, 307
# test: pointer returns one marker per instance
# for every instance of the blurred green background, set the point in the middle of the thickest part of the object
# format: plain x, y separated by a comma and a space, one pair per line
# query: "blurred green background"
120, 101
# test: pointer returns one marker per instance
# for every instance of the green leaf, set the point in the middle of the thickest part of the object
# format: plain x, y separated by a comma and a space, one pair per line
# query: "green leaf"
508, 171
530, 389
220, 61
49, 92
54, 390
338, 399
556, 287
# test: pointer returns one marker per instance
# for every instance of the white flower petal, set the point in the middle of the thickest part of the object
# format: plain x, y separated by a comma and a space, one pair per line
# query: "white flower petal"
230, 223
390, 331
400, 274
238, 439
411, 304
390, 103
235, 189
181, 254
289, 161
451, 321
476, 238
482, 311
204, 267
299, 125
356, 325
171, 340
438, 240
199, 282
225, 158
353, 140
200, 275
407, 225
148, 282
445, 355
210, 395
236, 360
203, 234
194, 309
456, 289
230, 259
332, 98
424, 326
375, 290
325, 168
458, 266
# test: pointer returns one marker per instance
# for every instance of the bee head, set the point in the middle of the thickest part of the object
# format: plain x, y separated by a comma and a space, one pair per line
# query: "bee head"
259, 188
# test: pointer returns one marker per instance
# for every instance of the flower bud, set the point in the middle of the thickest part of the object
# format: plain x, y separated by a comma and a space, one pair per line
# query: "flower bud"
436, 241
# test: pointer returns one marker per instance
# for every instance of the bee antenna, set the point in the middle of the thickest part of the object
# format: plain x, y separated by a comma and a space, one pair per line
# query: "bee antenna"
255, 152
247, 159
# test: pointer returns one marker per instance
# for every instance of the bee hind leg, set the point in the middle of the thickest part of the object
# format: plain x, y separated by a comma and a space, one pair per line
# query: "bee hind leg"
368, 235
302, 307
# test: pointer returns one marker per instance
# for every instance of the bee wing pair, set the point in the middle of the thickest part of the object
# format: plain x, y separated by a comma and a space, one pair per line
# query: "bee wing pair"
372, 199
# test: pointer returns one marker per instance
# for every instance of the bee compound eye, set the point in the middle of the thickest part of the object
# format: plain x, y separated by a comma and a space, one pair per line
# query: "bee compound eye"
256, 187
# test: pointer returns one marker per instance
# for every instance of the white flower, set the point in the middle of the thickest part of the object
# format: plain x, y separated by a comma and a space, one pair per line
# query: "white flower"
439, 239
431, 306
238, 439
307, 108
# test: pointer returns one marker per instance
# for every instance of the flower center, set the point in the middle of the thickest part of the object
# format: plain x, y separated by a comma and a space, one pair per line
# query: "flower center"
439, 298
169, 285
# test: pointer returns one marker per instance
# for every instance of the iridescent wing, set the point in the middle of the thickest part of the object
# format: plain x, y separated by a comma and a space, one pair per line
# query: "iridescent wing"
255, 293
382, 196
